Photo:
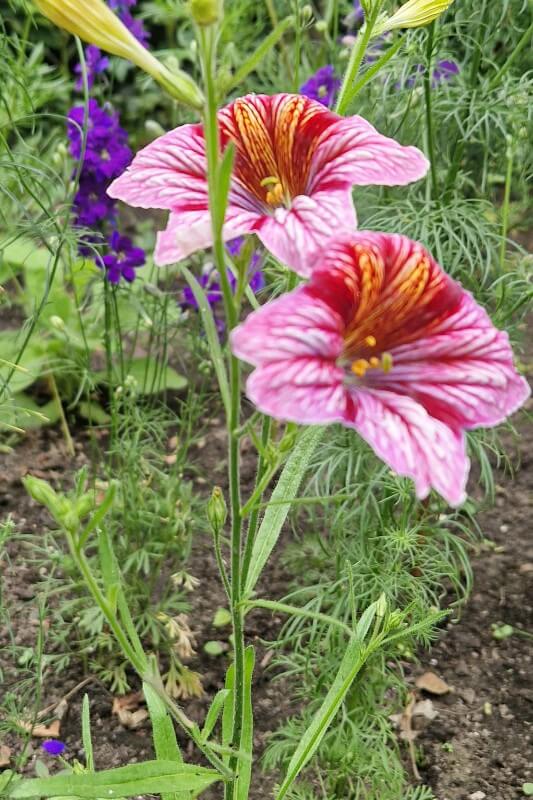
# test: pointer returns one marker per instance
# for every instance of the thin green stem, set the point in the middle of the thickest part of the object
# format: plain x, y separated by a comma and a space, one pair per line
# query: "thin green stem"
430, 135
505, 207
524, 40
62, 418
356, 59
207, 37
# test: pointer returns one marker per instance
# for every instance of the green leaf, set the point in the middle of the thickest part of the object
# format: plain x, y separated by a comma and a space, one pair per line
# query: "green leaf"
151, 378
222, 618
149, 777
23, 412
93, 412
164, 736
222, 186
275, 515
214, 712
247, 734
214, 648
86, 733
354, 659
212, 336
527, 788
259, 53
228, 712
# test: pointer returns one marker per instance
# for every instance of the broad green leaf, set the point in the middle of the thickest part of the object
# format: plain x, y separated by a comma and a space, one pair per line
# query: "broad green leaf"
213, 648
354, 658
23, 412
150, 777
247, 734
150, 377
222, 617
164, 736
212, 336
94, 412
275, 515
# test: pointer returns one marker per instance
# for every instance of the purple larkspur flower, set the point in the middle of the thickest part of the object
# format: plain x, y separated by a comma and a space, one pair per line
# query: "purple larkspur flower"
53, 747
107, 153
95, 63
122, 259
322, 86
135, 26
91, 202
444, 71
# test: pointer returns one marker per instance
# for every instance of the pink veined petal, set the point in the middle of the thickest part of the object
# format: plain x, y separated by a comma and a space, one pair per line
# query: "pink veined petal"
305, 390
413, 443
298, 235
463, 372
167, 173
295, 325
353, 152
189, 231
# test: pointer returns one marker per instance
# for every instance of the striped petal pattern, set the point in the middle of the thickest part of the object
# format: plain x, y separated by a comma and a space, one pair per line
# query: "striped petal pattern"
296, 163
383, 341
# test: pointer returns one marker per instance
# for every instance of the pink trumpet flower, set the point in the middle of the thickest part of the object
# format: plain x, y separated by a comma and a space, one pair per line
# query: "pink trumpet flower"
295, 165
383, 341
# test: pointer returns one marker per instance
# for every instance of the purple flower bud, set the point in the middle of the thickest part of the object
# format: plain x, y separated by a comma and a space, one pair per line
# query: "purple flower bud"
53, 747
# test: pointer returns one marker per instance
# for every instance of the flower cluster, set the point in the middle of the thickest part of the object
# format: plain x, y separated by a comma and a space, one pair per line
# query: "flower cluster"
96, 136
379, 338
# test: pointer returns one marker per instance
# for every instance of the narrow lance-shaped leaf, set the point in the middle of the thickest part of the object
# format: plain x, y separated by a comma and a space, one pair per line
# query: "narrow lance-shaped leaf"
149, 777
275, 515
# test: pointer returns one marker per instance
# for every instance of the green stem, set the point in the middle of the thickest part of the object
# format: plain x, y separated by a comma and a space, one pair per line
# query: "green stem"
524, 39
375, 68
62, 418
430, 136
207, 37
505, 207
356, 58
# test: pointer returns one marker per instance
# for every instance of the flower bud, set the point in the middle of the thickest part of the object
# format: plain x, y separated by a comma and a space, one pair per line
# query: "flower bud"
42, 492
94, 22
207, 12
413, 14
57, 323
217, 510
321, 26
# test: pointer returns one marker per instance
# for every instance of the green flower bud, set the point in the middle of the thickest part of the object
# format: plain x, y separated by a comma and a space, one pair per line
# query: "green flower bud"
207, 12
217, 510
42, 492
57, 323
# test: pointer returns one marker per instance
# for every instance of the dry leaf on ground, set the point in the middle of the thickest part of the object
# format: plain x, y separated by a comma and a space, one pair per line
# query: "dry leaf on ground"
42, 731
431, 683
5, 755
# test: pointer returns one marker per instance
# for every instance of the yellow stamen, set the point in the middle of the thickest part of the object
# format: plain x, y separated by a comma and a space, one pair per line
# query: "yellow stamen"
370, 341
375, 362
386, 362
275, 196
360, 367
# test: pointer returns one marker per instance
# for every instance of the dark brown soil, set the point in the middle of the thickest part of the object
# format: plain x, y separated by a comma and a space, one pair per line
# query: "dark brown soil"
481, 738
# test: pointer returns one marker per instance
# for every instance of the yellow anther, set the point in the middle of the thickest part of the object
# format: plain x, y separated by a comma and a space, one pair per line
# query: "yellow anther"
360, 367
271, 180
375, 362
386, 362
370, 341
275, 197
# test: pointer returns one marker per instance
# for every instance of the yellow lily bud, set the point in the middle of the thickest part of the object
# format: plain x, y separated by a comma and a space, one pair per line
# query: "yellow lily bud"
94, 22
414, 14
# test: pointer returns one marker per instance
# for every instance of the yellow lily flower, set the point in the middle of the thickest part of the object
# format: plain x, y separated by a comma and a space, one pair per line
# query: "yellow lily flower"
94, 22
414, 14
